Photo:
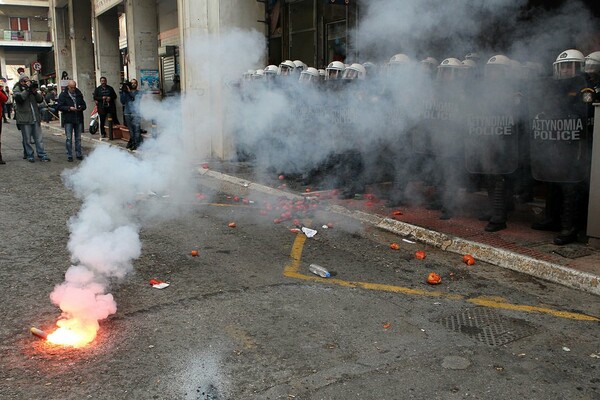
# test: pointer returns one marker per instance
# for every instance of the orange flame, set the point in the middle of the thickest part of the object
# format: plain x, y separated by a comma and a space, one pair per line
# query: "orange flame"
73, 332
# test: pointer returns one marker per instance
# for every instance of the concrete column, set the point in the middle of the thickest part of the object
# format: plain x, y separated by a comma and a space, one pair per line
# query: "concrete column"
59, 25
593, 223
142, 36
195, 23
106, 48
3, 65
82, 50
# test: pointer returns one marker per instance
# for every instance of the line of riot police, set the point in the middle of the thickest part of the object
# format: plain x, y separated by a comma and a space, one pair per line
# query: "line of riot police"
501, 125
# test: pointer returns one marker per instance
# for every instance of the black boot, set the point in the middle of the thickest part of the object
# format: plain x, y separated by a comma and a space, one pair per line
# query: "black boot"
499, 206
568, 215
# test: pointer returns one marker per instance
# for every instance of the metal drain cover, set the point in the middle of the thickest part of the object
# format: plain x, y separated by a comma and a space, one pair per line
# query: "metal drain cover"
487, 326
573, 251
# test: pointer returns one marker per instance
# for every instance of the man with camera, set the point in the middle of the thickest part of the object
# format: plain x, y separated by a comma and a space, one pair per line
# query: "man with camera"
71, 104
105, 97
28, 118
130, 98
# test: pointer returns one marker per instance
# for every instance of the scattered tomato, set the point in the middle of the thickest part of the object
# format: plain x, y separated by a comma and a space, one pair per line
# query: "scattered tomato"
236, 198
471, 261
466, 257
232, 225
395, 246
433, 278
420, 255
281, 177
194, 253
307, 190
397, 212
205, 165
387, 325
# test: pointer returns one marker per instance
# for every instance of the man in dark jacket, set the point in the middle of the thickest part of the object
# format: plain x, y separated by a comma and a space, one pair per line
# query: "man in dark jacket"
105, 97
71, 104
27, 96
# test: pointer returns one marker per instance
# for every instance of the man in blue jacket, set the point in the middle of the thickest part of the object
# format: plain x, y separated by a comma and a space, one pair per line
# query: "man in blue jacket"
71, 104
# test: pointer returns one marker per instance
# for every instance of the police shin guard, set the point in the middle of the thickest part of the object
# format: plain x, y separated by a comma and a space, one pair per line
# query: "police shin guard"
568, 216
499, 205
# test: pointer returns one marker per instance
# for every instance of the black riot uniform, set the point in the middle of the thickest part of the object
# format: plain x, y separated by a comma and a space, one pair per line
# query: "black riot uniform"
560, 152
495, 123
439, 135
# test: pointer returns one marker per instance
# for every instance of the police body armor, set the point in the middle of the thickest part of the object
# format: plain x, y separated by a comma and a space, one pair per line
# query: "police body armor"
492, 130
560, 137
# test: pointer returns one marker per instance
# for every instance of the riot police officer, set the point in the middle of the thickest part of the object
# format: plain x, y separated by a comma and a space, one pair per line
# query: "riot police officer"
493, 131
560, 143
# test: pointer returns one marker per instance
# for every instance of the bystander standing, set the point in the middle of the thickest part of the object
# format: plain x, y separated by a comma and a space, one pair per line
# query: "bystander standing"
105, 96
71, 104
27, 96
130, 98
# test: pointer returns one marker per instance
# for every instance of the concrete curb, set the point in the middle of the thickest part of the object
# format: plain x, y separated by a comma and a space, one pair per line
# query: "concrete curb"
500, 257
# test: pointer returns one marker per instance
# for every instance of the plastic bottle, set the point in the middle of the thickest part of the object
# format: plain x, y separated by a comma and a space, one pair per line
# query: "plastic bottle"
318, 270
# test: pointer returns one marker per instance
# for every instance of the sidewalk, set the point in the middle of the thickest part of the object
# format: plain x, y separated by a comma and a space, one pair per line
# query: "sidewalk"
518, 247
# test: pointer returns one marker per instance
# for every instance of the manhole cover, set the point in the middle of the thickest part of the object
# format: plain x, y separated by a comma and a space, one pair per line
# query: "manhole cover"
487, 326
572, 251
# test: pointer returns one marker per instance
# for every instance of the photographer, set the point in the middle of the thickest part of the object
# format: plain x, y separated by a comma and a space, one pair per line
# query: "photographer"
105, 96
71, 104
28, 118
130, 98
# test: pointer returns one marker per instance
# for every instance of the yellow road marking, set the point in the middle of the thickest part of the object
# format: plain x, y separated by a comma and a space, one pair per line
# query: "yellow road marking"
292, 270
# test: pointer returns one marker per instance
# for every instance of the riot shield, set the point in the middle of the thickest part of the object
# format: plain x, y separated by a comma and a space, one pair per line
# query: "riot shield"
440, 127
492, 131
560, 141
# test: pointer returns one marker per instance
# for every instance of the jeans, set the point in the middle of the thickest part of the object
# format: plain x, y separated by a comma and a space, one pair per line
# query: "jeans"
71, 129
135, 131
34, 131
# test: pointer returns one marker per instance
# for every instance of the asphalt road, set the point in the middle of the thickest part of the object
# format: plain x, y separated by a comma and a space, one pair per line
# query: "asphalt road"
245, 319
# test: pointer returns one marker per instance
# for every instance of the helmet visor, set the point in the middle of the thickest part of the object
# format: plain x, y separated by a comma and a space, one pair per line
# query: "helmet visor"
592, 66
567, 69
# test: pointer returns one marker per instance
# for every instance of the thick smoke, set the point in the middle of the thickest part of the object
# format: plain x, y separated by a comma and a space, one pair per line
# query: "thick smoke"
368, 131
349, 133
122, 192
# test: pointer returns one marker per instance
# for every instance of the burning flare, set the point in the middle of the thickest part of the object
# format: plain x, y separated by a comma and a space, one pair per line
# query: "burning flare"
73, 332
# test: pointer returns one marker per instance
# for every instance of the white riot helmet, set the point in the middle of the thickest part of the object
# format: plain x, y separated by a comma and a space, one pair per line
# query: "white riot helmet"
300, 66
335, 70
568, 64
248, 74
592, 63
498, 67
469, 63
355, 71
400, 59
258, 74
473, 56
450, 69
322, 74
271, 71
310, 75
286, 68
428, 65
